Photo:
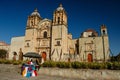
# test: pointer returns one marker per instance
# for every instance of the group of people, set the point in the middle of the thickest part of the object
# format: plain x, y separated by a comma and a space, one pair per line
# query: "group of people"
30, 68
35, 63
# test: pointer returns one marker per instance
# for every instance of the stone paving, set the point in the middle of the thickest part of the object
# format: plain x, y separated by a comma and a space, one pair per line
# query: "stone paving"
12, 72
8, 72
13, 76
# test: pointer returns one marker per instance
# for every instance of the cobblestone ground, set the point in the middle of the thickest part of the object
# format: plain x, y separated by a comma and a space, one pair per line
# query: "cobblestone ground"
9, 72
17, 76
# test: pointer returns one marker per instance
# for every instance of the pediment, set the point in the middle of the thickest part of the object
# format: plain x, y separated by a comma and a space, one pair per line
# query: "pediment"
44, 24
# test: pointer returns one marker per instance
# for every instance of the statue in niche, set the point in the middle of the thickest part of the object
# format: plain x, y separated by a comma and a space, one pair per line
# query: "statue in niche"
20, 54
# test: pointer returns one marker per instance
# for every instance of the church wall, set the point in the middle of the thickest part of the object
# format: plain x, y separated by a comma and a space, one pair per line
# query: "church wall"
84, 48
69, 42
56, 36
73, 50
29, 34
59, 33
96, 48
30, 40
64, 40
16, 44
106, 44
43, 44
99, 49
102, 48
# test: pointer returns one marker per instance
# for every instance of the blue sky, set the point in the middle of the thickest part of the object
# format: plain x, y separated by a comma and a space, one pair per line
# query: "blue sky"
82, 14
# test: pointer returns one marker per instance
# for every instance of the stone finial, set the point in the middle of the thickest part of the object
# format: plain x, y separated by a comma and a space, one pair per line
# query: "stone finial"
103, 26
60, 5
36, 10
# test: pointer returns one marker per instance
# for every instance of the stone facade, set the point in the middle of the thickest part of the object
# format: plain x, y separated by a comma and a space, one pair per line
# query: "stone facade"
17, 43
93, 47
50, 39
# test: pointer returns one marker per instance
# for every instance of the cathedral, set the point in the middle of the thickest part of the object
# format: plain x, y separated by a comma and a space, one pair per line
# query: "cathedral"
51, 40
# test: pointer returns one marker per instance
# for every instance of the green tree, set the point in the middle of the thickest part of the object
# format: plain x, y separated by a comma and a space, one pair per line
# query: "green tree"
3, 53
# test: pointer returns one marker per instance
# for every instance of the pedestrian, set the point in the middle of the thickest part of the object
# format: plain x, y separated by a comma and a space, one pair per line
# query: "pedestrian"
38, 65
22, 67
30, 62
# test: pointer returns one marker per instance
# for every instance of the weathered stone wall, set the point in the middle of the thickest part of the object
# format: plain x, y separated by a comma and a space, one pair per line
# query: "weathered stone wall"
77, 74
16, 44
82, 73
94, 46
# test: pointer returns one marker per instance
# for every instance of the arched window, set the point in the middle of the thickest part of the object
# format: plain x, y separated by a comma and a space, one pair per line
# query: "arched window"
32, 23
58, 43
28, 45
58, 20
45, 34
104, 32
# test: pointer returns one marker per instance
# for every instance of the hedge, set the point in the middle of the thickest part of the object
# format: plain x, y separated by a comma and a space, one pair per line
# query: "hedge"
83, 65
4, 61
75, 65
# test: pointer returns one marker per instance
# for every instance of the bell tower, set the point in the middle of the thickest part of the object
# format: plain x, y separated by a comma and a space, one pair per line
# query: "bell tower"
60, 16
59, 34
103, 30
33, 19
31, 30
105, 43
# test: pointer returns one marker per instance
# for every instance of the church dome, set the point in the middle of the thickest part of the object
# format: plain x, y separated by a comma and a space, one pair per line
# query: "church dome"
35, 13
60, 8
90, 30
94, 33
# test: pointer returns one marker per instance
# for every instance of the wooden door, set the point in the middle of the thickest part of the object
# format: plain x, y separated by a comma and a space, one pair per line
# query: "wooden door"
90, 58
44, 56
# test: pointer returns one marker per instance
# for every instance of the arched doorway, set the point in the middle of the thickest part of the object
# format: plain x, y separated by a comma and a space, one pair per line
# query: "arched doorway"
90, 58
44, 55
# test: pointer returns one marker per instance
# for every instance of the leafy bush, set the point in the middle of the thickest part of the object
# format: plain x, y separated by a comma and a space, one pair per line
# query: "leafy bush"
84, 65
94, 66
68, 65
116, 66
63, 64
76, 65
4, 61
3, 53
103, 66
109, 65
1, 61
17, 62
49, 64
7, 62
